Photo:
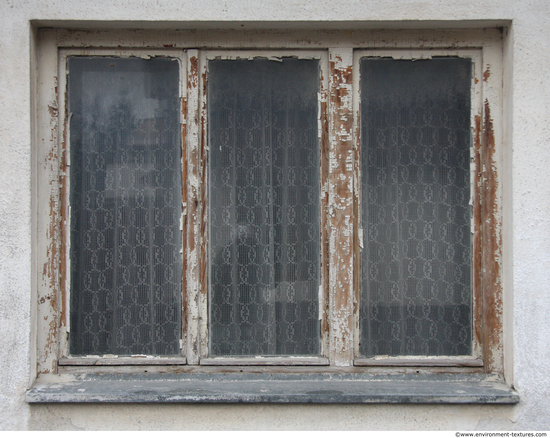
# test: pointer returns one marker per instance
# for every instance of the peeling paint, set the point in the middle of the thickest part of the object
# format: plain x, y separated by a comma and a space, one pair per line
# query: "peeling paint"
201, 204
341, 157
184, 218
492, 249
192, 184
341, 235
53, 268
476, 237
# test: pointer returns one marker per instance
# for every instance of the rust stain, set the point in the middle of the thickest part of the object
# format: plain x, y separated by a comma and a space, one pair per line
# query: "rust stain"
486, 74
341, 214
492, 249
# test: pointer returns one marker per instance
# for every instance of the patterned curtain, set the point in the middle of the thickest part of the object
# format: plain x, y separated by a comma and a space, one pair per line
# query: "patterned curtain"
264, 207
125, 184
415, 137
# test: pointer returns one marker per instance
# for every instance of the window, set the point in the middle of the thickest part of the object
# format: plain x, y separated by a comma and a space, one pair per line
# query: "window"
317, 205
416, 264
125, 200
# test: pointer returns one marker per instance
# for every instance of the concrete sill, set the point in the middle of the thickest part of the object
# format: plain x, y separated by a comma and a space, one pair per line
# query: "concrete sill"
273, 388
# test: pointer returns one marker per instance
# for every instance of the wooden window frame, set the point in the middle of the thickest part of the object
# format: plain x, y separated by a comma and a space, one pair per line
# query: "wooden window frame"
197, 158
476, 87
340, 201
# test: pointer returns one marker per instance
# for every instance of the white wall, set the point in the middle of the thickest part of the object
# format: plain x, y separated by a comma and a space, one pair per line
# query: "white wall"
526, 232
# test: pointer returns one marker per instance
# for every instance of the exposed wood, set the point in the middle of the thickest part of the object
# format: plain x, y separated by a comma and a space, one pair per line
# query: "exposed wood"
202, 204
309, 369
491, 245
119, 361
340, 219
491, 205
477, 271
192, 207
47, 197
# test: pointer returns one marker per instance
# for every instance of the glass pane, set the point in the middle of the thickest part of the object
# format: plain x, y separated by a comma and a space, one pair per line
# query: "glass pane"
415, 138
126, 262
264, 207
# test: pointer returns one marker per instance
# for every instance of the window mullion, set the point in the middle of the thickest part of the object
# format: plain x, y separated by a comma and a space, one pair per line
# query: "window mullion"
340, 220
192, 286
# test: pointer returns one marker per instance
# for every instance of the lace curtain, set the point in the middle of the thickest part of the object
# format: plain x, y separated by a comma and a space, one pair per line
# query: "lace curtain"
415, 139
126, 262
264, 207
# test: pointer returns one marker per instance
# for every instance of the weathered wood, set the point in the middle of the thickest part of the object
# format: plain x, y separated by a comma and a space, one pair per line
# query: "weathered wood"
192, 208
491, 213
120, 361
340, 216
339, 233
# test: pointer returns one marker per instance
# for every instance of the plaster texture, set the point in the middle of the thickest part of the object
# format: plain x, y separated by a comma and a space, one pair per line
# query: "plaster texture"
526, 188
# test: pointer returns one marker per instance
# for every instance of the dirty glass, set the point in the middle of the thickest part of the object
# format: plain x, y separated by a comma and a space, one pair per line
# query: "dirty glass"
263, 207
125, 198
416, 296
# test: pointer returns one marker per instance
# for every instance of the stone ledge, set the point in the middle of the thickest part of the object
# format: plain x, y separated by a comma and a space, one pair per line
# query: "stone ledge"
275, 388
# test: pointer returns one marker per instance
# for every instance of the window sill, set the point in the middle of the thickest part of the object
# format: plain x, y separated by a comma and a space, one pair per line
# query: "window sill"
273, 388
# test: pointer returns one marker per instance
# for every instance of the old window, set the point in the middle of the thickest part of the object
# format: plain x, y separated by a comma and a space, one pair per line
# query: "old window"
416, 264
125, 201
264, 207
317, 205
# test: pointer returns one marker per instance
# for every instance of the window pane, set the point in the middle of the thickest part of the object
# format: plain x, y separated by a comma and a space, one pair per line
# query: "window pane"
416, 263
264, 207
126, 265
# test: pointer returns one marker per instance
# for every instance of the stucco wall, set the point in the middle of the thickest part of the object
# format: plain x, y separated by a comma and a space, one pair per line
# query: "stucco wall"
526, 215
